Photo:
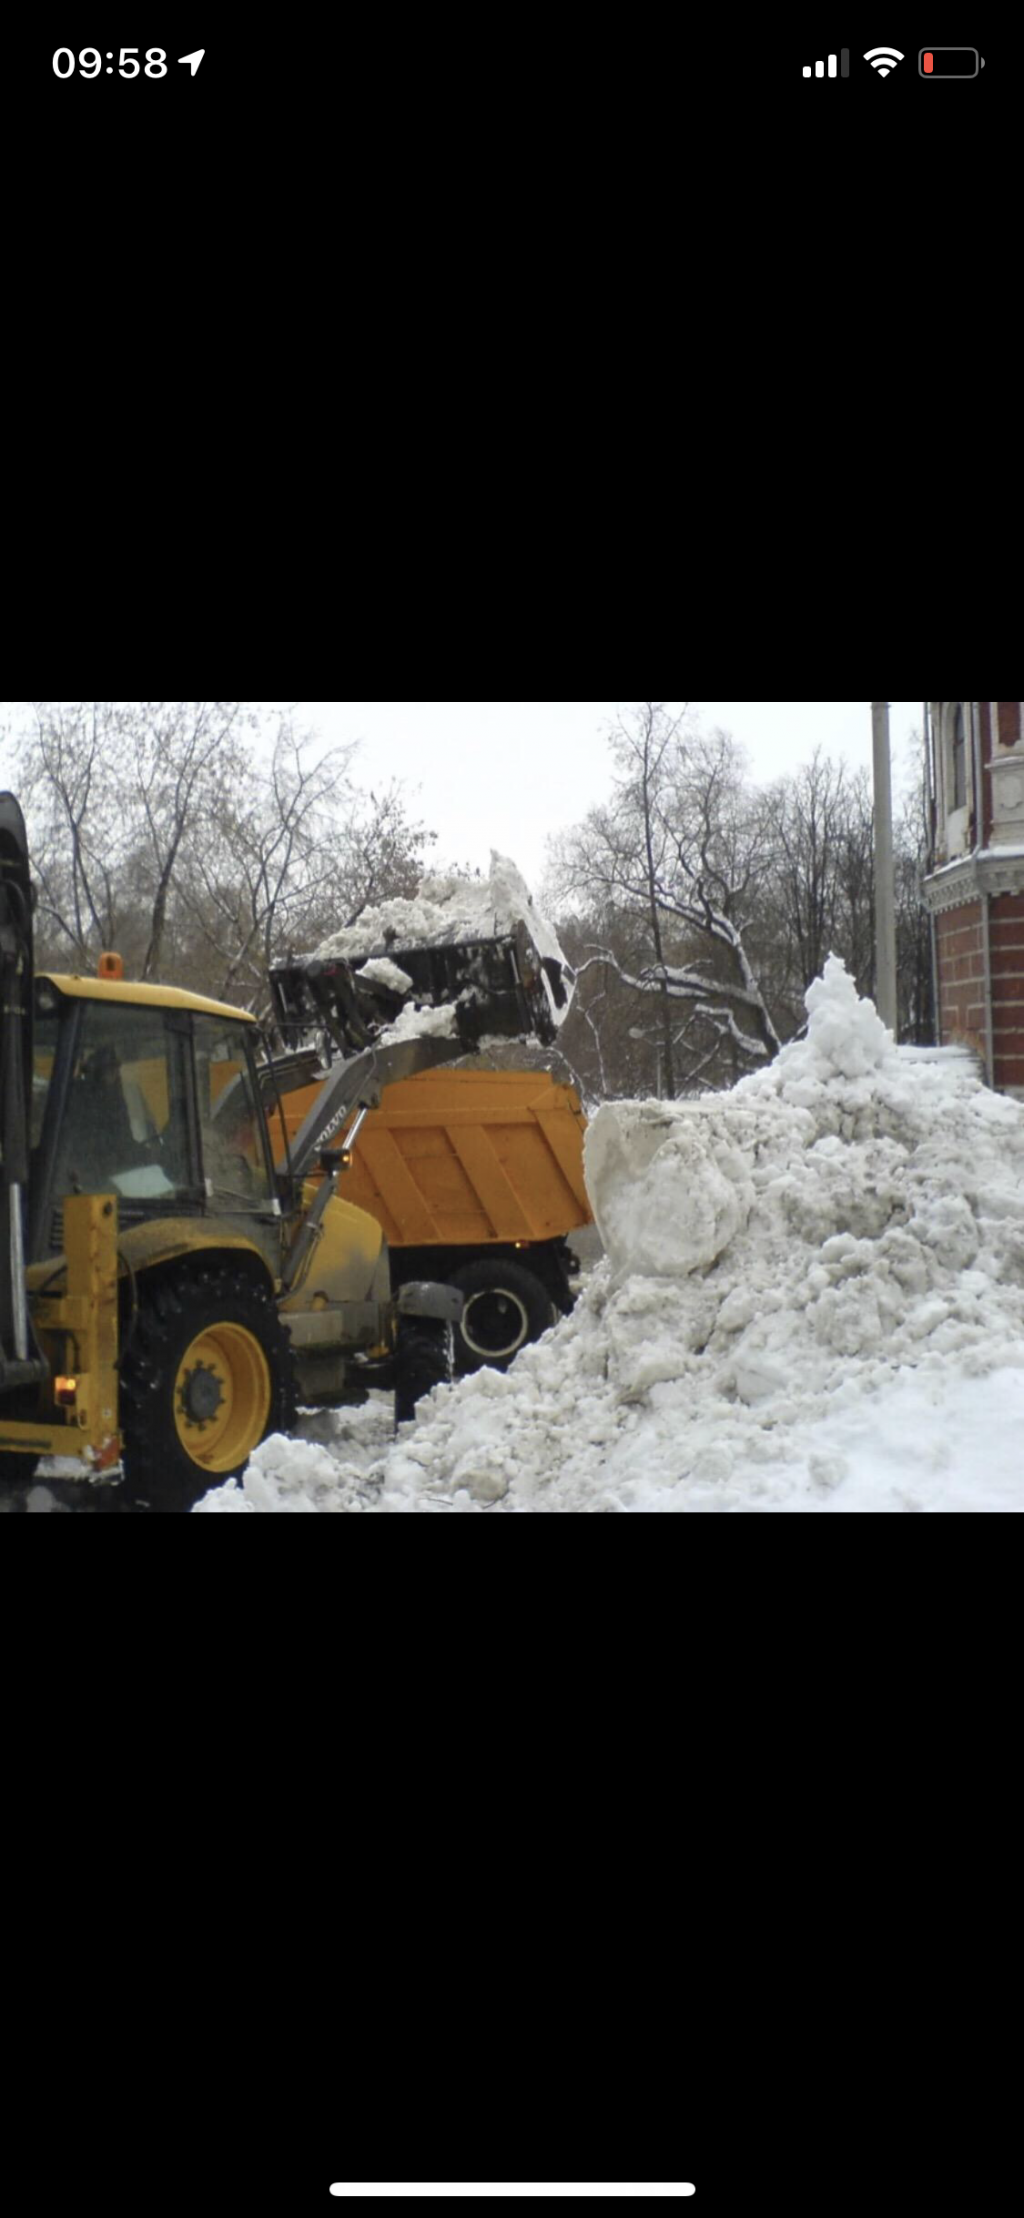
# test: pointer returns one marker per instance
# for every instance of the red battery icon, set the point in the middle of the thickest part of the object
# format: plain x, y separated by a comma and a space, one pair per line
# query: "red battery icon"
950, 61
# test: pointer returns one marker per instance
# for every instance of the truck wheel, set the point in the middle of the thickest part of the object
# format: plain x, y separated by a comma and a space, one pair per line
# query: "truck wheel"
505, 1307
208, 1373
423, 1359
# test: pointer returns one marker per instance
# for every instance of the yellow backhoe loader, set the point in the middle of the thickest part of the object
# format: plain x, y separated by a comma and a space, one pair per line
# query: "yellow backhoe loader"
167, 1291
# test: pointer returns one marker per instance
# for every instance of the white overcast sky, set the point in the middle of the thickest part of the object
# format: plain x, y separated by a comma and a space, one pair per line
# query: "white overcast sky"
507, 774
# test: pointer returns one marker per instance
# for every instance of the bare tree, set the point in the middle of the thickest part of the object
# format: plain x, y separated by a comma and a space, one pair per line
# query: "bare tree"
78, 837
817, 894
113, 791
677, 857
183, 752
698, 909
301, 851
197, 839
808, 815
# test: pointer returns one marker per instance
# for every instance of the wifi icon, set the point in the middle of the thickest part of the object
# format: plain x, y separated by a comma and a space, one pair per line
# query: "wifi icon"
883, 58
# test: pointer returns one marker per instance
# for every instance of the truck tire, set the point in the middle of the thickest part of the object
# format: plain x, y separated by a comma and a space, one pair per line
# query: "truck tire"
207, 1374
423, 1359
506, 1306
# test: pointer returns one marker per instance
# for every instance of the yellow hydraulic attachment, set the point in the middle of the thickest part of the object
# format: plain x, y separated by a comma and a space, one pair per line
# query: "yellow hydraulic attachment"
77, 1325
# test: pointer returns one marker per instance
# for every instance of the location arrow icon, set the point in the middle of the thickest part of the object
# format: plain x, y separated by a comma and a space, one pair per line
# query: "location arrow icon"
193, 60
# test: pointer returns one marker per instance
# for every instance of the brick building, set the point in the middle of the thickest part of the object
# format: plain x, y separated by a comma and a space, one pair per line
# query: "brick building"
974, 886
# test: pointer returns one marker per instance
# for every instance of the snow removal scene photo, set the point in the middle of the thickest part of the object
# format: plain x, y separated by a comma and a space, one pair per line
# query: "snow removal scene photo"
371, 1144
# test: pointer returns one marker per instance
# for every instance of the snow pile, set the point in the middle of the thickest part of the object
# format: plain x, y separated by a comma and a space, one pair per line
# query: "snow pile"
329, 1466
813, 1297
447, 910
383, 973
420, 1022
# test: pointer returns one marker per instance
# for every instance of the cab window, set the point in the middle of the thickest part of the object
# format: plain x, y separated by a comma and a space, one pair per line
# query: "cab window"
235, 1165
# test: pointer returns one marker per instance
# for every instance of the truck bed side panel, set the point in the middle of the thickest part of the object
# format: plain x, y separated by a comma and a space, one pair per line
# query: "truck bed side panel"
469, 1158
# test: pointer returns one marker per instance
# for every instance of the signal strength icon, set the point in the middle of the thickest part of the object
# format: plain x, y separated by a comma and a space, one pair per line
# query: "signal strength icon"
819, 69
883, 58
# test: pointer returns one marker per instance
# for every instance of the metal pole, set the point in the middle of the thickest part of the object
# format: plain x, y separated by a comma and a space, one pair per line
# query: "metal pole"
986, 899
885, 874
929, 806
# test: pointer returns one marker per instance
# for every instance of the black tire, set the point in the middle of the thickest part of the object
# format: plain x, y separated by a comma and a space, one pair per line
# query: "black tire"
424, 1358
505, 1308
189, 1426
16, 1471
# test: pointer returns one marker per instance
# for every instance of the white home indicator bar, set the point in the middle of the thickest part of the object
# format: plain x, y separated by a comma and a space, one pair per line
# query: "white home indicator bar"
561, 2187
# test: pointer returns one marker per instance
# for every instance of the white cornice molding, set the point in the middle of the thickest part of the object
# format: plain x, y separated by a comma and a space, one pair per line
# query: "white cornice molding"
972, 875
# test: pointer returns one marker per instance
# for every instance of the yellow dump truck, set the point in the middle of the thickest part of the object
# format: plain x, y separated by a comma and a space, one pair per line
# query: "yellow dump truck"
476, 1178
472, 1171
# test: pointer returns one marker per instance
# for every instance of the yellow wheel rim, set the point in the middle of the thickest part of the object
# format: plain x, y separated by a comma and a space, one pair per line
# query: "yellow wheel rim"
222, 1397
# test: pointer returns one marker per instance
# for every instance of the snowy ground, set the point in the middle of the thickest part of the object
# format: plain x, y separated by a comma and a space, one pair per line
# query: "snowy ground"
812, 1298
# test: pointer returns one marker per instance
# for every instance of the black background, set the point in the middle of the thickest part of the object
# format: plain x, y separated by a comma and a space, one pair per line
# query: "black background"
314, 131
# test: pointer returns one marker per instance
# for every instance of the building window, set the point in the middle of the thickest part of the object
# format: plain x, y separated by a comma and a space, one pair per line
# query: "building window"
959, 759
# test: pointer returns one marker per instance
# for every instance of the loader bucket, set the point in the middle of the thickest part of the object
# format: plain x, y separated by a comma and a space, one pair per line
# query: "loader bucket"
496, 988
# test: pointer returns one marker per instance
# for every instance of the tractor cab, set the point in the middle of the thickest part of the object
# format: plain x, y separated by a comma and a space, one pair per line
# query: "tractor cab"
147, 1094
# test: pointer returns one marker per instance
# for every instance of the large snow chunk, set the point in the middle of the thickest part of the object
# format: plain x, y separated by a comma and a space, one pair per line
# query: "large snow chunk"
667, 1186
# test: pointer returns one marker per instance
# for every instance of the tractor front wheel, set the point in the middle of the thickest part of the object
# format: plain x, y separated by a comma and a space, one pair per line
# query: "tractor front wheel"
207, 1374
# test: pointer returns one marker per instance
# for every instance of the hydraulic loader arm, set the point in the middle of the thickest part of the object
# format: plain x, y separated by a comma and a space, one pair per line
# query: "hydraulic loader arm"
358, 1083
21, 1363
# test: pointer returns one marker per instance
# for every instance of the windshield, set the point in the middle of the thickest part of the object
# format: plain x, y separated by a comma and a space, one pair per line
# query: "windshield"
125, 1129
